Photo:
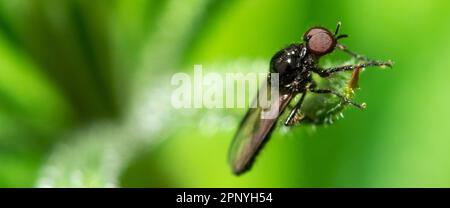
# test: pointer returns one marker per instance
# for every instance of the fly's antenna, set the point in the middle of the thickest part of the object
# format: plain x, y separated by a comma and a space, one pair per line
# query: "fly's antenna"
338, 27
341, 36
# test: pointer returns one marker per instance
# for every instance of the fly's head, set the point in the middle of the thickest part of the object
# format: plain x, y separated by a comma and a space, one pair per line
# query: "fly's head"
320, 41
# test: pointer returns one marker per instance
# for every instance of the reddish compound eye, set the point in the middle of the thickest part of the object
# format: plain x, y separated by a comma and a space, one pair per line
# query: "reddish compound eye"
319, 40
321, 43
313, 31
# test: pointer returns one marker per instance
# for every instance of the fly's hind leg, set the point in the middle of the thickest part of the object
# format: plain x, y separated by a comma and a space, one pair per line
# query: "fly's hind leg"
295, 115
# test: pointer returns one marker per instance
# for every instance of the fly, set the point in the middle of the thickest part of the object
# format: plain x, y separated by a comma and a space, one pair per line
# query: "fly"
295, 66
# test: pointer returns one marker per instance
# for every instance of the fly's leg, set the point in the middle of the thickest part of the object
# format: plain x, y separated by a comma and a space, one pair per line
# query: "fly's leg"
356, 56
294, 116
341, 96
329, 71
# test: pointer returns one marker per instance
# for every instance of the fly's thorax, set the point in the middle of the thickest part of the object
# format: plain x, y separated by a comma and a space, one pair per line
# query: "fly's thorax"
288, 60
310, 62
300, 82
288, 63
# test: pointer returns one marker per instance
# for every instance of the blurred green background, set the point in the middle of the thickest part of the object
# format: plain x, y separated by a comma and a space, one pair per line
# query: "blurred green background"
85, 91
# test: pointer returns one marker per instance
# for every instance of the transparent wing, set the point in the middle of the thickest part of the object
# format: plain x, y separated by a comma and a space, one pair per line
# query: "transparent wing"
254, 130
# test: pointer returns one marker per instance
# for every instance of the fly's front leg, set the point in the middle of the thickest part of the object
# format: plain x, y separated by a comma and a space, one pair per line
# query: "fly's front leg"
294, 116
341, 96
356, 56
329, 71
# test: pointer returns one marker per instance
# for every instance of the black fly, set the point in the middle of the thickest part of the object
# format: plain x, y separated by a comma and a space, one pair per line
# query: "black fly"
295, 65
